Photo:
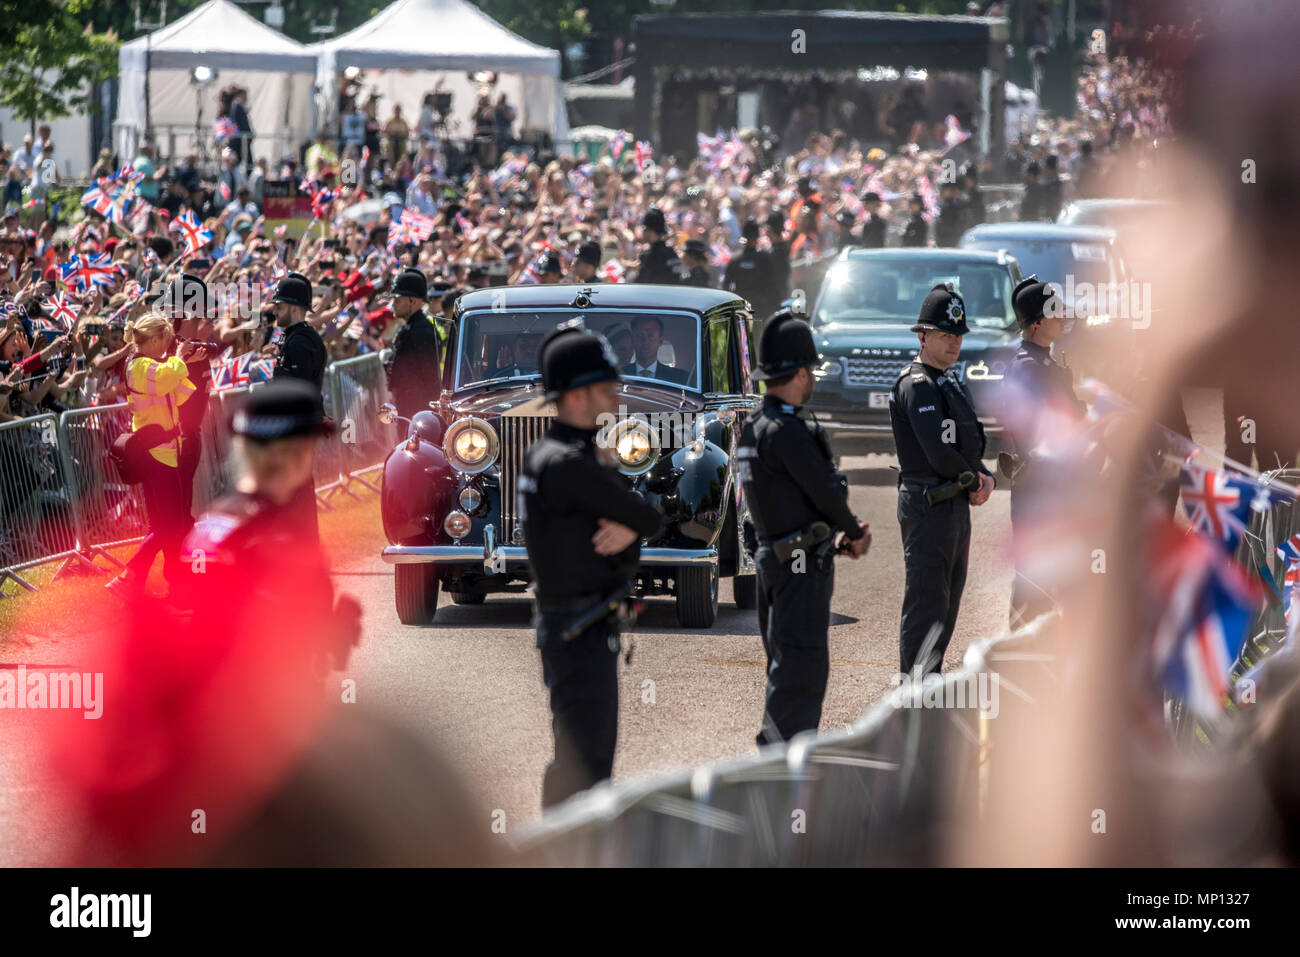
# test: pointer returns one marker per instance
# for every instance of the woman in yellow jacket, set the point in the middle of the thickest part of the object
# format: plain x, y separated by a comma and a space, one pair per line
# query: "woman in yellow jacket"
157, 388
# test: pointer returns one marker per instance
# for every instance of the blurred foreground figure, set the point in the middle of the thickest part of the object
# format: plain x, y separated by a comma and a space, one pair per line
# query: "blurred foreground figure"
219, 742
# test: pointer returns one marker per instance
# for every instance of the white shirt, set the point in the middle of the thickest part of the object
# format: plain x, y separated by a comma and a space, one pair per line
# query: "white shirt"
650, 370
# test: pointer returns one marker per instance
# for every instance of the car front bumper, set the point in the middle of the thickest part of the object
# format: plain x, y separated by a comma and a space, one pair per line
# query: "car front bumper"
497, 559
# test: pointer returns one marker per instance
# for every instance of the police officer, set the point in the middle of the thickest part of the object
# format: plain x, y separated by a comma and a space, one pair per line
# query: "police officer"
751, 273
658, 263
873, 226
586, 264
940, 444
550, 270
916, 233
302, 356
582, 527
259, 569
695, 257
780, 256
414, 370
952, 216
1035, 384
796, 502
974, 202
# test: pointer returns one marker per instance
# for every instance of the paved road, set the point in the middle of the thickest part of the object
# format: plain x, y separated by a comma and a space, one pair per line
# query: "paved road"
474, 676
472, 680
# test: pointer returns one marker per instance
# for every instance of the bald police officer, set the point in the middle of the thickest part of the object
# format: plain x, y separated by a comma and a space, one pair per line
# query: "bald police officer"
583, 527
797, 501
940, 444
1037, 391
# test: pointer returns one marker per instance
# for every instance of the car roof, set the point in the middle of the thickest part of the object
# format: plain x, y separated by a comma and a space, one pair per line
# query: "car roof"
602, 295
1116, 203
1043, 232
905, 253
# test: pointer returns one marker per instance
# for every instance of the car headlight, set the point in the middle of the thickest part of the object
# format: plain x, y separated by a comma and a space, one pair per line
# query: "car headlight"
470, 445
830, 368
635, 446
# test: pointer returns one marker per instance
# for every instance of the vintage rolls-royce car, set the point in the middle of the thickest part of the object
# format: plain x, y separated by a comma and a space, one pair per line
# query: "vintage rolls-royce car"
448, 501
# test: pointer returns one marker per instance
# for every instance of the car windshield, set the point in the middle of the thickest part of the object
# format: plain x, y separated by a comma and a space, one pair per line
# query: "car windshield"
1056, 260
654, 346
881, 290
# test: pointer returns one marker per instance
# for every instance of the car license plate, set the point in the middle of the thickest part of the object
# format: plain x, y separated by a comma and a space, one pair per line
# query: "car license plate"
878, 400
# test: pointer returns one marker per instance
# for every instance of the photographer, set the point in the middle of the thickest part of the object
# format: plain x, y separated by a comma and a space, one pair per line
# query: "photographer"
159, 388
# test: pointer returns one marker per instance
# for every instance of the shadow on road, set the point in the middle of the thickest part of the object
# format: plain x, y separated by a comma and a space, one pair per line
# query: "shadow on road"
659, 617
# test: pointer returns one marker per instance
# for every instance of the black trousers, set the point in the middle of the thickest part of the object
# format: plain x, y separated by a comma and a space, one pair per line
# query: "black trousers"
936, 552
303, 506
582, 677
167, 523
1029, 597
794, 616
188, 464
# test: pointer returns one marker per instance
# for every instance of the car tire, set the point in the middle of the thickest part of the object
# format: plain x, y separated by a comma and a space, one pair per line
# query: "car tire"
415, 587
744, 589
467, 597
697, 596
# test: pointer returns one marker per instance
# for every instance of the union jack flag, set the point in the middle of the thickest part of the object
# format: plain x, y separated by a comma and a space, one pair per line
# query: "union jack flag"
1218, 504
85, 273
1289, 551
320, 201
97, 198
264, 370
232, 373
1206, 605
642, 154
192, 231
223, 128
613, 271
410, 228
223, 190
61, 311
616, 144
280, 230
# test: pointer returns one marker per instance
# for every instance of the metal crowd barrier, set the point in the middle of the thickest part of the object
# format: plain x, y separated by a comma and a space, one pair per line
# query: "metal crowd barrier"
62, 499
890, 790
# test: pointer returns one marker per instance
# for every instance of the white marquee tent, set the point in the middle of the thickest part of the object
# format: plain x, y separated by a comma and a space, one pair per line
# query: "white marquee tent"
278, 73
411, 44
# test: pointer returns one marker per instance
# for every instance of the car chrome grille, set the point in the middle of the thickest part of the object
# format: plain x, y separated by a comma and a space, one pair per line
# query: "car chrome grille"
873, 372
517, 432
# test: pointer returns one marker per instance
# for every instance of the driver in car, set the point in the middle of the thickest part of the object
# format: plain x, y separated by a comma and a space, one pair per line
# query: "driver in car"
522, 359
647, 337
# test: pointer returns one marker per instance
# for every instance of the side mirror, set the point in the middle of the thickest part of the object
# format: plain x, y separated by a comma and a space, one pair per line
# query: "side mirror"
387, 413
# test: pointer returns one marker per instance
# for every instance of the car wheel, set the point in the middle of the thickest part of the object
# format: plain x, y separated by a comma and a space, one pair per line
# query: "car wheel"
744, 589
467, 597
697, 596
415, 587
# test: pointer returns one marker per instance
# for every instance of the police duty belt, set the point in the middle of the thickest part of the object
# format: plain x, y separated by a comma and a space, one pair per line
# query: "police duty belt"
941, 493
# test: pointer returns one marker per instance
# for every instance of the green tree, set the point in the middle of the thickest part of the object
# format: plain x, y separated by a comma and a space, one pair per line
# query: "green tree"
47, 65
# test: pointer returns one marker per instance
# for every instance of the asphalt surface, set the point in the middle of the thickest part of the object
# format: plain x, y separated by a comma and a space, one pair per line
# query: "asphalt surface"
472, 679
471, 682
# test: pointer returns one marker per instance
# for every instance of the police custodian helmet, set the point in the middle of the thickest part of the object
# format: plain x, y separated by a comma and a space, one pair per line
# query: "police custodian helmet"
280, 410
1032, 300
786, 347
572, 357
943, 311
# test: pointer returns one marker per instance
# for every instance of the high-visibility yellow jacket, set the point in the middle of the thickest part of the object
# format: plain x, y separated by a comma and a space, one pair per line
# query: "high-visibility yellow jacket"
158, 389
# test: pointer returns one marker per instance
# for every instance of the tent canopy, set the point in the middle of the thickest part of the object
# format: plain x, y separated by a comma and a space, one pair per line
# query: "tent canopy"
438, 35
222, 36
401, 48
276, 70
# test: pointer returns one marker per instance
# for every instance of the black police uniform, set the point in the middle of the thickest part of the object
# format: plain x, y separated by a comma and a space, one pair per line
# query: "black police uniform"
789, 480
248, 541
699, 276
873, 232
302, 356
564, 490
916, 232
751, 275
659, 264
927, 407
414, 375
952, 222
1034, 382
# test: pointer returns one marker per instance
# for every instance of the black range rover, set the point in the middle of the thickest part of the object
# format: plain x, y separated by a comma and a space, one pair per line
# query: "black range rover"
862, 318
